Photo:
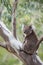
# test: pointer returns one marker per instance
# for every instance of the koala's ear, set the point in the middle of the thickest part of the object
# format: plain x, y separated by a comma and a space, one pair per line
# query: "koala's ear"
33, 27
25, 26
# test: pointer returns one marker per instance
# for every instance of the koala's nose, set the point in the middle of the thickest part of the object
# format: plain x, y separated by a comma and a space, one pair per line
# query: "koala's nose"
24, 31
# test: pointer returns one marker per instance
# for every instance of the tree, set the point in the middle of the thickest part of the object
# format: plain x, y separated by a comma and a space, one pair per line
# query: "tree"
13, 45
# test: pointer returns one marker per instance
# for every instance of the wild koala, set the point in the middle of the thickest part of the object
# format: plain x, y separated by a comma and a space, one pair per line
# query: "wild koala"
31, 42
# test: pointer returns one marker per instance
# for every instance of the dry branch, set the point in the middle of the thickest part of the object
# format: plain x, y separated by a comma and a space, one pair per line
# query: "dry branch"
1, 10
38, 43
9, 38
14, 17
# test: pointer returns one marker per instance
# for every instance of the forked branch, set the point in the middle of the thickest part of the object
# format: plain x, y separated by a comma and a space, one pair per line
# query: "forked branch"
9, 38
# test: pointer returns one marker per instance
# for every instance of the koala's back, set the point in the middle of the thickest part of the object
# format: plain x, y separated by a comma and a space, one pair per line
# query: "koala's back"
30, 42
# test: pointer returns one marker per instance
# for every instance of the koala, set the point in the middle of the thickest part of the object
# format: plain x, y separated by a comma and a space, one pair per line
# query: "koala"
30, 40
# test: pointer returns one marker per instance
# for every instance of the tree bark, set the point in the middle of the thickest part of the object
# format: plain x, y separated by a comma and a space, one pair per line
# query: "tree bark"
14, 18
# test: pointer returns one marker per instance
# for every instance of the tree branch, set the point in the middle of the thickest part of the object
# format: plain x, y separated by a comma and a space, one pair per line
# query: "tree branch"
1, 10
38, 43
9, 38
2, 45
14, 17
8, 48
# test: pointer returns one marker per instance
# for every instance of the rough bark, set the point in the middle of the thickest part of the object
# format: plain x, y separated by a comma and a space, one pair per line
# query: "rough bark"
14, 17
8, 37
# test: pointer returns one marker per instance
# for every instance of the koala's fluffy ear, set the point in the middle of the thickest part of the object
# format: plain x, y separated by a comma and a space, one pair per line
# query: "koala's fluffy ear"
25, 26
33, 27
